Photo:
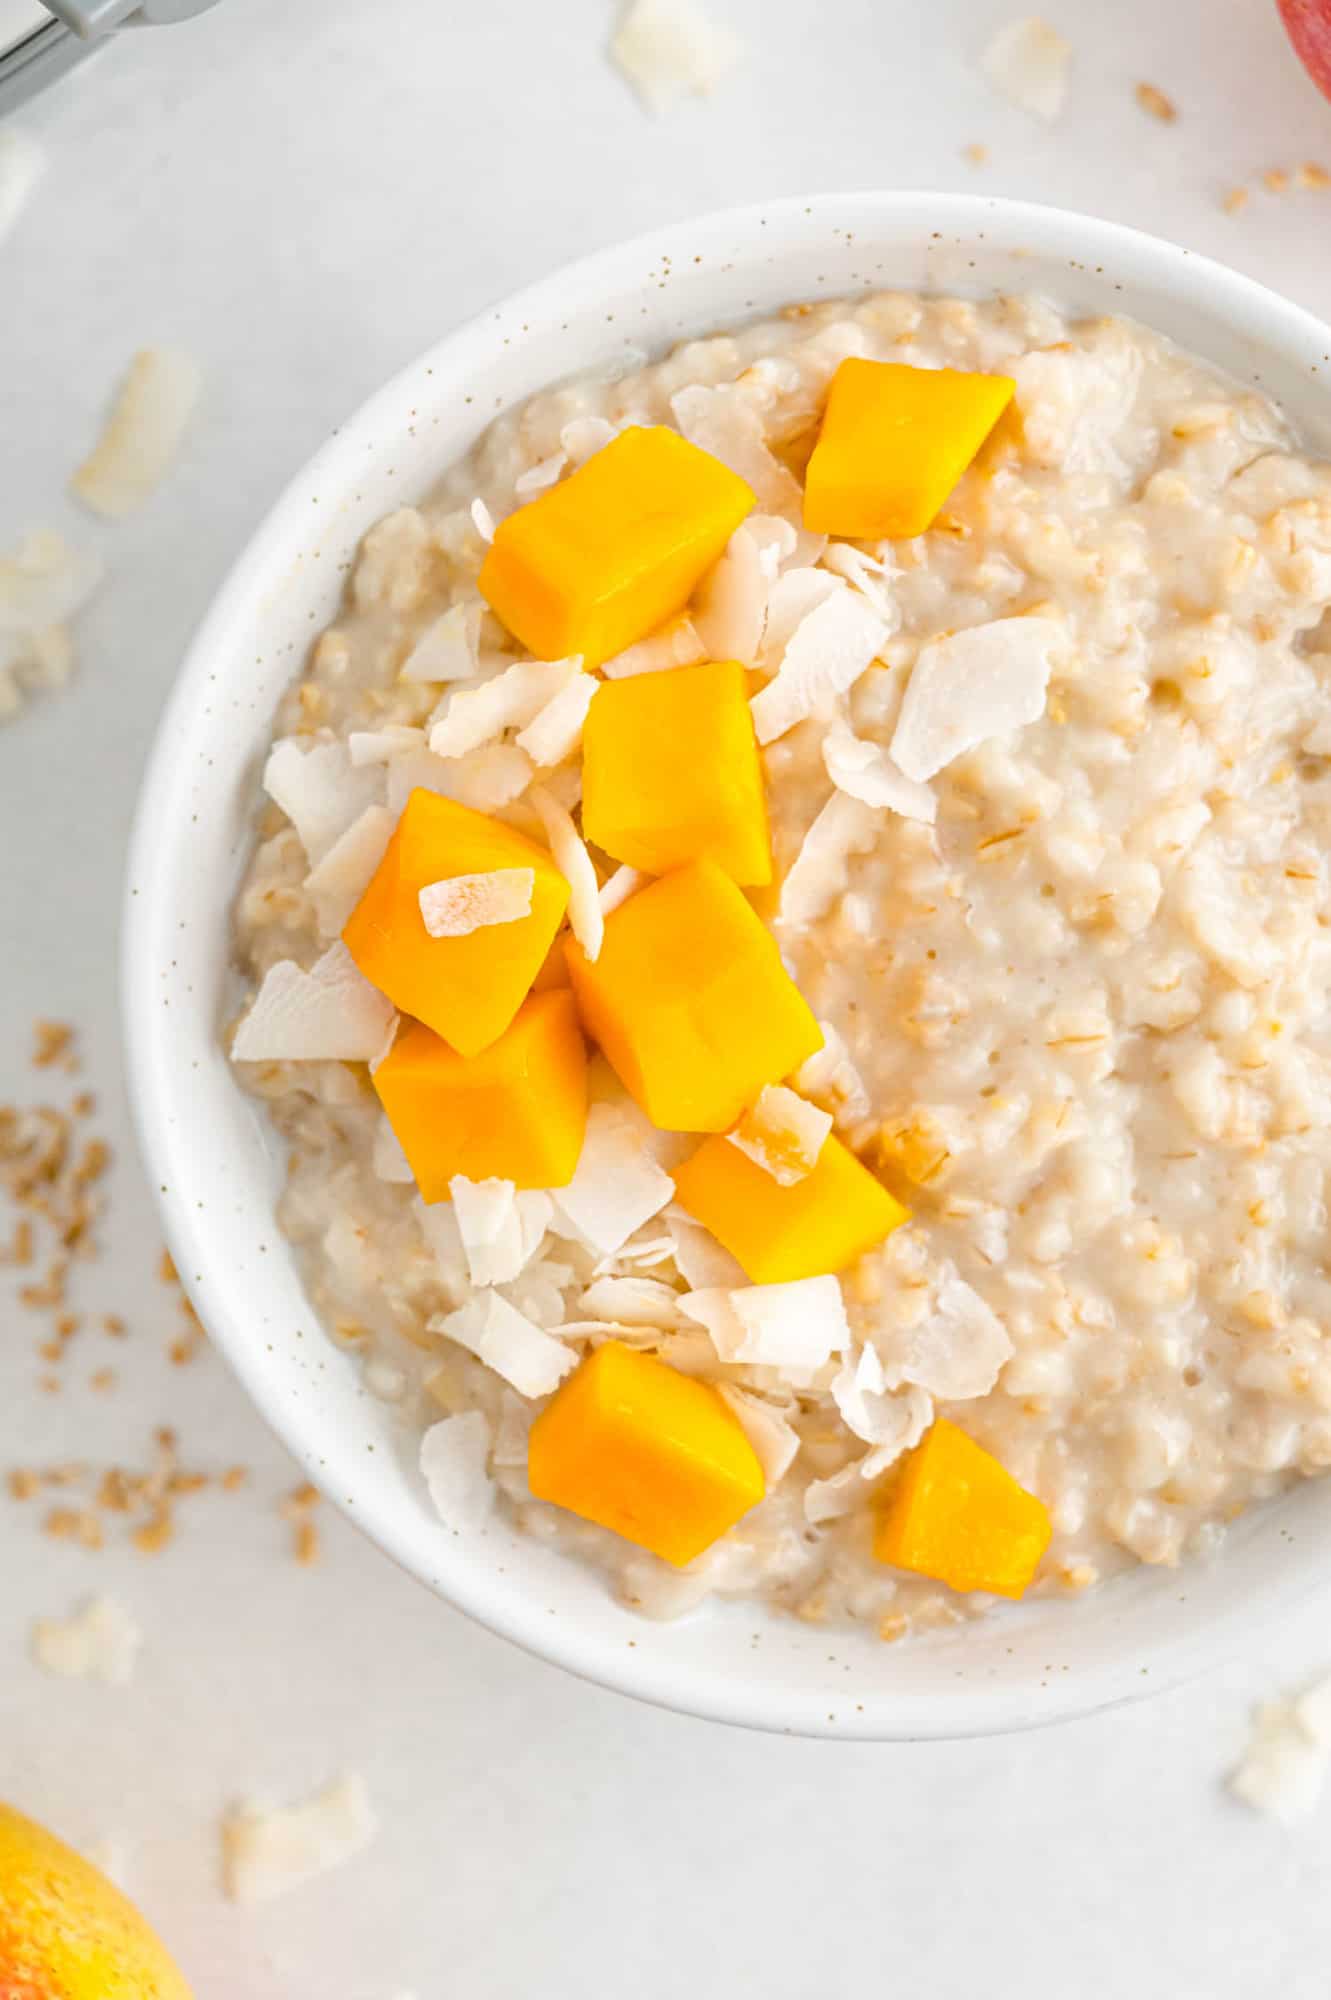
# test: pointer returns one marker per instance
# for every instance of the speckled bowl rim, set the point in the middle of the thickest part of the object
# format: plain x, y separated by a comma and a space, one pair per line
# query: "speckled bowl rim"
200, 1155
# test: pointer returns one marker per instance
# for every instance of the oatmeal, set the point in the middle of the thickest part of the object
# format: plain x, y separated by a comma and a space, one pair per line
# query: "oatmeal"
1048, 787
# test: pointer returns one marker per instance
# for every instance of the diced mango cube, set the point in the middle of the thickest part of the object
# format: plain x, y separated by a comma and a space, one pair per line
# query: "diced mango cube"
894, 442
515, 1112
690, 1001
954, 1513
600, 559
816, 1225
630, 1443
466, 988
671, 772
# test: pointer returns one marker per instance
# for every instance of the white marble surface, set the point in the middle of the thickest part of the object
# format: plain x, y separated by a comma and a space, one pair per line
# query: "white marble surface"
305, 193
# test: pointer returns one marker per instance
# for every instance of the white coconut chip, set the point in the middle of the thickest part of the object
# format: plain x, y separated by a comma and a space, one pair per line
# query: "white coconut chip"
320, 790
830, 1499
448, 649
825, 655
526, 1357
483, 520
622, 884
457, 905
342, 877
555, 731
22, 164
575, 865
779, 542
983, 681
669, 49
675, 645
142, 434
381, 746
703, 1263
1027, 62
864, 771
486, 779
872, 1411
100, 1642
957, 1350
583, 437
775, 1442
831, 1078
618, 1184
818, 874
329, 1014
865, 573
783, 1134
730, 609
1283, 1770
501, 1230
473, 716
726, 425
541, 477
631, 1301
454, 1458
267, 1851
794, 1328
44, 583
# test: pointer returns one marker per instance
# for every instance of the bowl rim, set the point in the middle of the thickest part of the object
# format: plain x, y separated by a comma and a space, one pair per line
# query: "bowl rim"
154, 1082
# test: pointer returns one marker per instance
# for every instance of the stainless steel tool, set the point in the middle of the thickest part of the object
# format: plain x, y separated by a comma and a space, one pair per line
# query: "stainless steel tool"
39, 42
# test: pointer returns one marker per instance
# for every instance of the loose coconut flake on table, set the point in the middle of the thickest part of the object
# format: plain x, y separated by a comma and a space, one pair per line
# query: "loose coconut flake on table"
783, 1134
669, 49
1028, 62
826, 654
575, 865
268, 1850
983, 681
526, 1357
330, 1013
460, 904
143, 433
100, 1642
454, 1461
864, 771
42, 586
794, 1328
618, 1184
1283, 1770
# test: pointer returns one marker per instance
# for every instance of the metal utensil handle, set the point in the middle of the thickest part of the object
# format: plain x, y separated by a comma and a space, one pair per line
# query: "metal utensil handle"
90, 18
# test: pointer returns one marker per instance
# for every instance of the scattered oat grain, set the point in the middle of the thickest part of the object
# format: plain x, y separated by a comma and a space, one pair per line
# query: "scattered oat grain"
1154, 102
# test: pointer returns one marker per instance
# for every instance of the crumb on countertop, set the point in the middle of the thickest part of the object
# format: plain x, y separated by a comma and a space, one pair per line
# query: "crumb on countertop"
1155, 103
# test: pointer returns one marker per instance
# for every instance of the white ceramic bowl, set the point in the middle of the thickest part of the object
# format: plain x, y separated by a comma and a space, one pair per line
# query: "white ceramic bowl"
218, 1168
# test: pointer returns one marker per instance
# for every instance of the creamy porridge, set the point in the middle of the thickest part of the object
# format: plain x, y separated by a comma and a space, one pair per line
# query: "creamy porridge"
1049, 789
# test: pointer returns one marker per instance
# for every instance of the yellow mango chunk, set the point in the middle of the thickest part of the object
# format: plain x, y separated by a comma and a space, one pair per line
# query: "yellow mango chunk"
819, 1224
690, 1002
515, 1112
954, 1513
609, 553
894, 442
671, 772
630, 1443
466, 988
65, 1932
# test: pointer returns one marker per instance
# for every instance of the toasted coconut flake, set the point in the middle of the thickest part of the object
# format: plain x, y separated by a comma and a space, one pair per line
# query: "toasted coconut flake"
320, 791
702, 1262
1027, 62
526, 1357
818, 874
540, 477
449, 649
486, 779
388, 1162
864, 771
483, 520
618, 1184
830, 1078
826, 654
267, 1851
774, 1441
783, 1134
621, 885
631, 1301
501, 1229
555, 732
675, 645
461, 904
957, 1351
330, 1013
670, 49
980, 682
143, 433
794, 1328
98, 1643
723, 422
575, 865
380, 746
1283, 1769
474, 716
44, 583
861, 1393
342, 877
731, 605
454, 1464
22, 164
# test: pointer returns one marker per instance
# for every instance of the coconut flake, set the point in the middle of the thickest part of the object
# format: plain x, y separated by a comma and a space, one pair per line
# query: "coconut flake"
22, 164
818, 874
575, 865
865, 573
486, 779
621, 885
501, 1230
831, 1078
388, 1162
540, 477
380, 746
731, 604
143, 433
792, 599
980, 682
774, 1441
826, 654
583, 437
555, 732
319, 790
266, 1851
44, 583
844, 1491
483, 520
725, 424
329, 1014
342, 877
631, 1301
794, 1327
526, 1357
100, 1642
473, 716
864, 771
453, 1460
670, 49
1027, 62
675, 645
957, 1351
618, 1185
783, 1134
861, 1392
448, 649
457, 905
1283, 1769
702, 1262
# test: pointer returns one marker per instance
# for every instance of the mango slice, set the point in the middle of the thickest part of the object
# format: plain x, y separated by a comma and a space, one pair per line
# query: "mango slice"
600, 559
466, 988
690, 1001
630, 1443
515, 1112
894, 442
817, 1225
671, 772
956, 1514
